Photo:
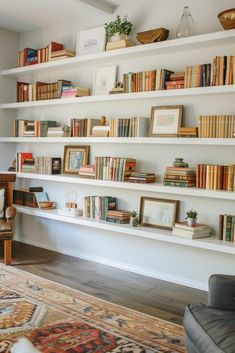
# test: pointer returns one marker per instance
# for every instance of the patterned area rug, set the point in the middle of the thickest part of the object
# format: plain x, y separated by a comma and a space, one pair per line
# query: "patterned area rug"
57, 319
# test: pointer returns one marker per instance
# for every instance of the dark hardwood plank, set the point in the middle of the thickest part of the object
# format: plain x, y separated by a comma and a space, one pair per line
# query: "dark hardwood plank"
148, 295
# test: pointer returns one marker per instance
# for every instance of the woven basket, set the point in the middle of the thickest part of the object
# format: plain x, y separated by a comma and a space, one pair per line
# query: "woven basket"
227, 19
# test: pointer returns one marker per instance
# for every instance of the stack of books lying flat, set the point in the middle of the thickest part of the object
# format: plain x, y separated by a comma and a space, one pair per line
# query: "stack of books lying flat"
191, 232
62, 54
58, 131
118, 216
179, 176
87, 171
142, 178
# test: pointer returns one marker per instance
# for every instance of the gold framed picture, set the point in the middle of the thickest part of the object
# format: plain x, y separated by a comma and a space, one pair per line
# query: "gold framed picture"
158, 213
165, 121
74, 158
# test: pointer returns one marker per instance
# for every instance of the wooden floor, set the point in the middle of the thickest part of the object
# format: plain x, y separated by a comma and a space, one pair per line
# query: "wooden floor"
145, 294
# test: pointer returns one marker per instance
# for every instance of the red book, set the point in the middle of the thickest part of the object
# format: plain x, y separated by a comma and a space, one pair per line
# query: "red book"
21, 156
53, 46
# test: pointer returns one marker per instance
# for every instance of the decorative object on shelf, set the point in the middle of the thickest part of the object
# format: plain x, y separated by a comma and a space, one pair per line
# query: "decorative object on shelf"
118, 88
41, 196
158, 213
47, 205
71, 198
117, 33
90, 41
194, 231
71, 207
153, 35
165, 121
191, 217
115, 30
227, 19
74, 158
133, 219
104, 80
179, 162
186, 27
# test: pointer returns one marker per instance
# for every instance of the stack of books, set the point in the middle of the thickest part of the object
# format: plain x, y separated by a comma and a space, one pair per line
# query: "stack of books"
215, 177
191, 232
226, 227
96, 207
118, 216
114, 168
180, 176
74, 91
176, 81
87, 171
58, 131
61, 54
129, 127
142, 178
188, 132
216, 126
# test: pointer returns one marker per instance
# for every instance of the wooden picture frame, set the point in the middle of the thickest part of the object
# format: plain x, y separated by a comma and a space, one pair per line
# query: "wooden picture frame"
165, 121
74, 157
158, 213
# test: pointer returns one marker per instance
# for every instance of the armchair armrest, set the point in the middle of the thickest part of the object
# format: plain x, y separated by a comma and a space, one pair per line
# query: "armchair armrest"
10, 214
221, 292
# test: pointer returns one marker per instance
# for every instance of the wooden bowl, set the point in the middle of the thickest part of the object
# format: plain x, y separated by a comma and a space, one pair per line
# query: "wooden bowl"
47, 205
227, 19
153, 35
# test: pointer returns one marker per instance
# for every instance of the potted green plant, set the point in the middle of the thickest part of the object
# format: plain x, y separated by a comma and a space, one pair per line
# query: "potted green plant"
133, 219
118, 29
191, 217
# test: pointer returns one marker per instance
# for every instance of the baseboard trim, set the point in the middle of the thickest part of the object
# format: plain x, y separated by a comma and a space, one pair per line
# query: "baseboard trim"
120, 265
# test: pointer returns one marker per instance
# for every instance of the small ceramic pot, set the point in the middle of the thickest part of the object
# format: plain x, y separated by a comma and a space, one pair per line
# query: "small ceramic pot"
134, 221
116, 37
191, 221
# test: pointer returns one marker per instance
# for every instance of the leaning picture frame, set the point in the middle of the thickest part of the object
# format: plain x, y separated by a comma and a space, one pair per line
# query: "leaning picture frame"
104, 80
91, 40
74, 158
165, 121
158, 213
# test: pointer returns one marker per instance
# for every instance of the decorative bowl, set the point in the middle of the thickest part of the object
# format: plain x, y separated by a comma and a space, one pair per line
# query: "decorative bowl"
47, 205
227, 18
152, 36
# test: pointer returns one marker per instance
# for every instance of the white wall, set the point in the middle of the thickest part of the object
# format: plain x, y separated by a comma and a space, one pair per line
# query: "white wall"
9, 45
176, 263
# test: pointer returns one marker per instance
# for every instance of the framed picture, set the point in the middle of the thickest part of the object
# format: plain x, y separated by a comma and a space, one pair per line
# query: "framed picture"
104, 80
158, 213
166, 120
74, 158
91, 41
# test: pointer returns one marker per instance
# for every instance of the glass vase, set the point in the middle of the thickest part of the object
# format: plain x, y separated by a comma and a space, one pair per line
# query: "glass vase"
186, 27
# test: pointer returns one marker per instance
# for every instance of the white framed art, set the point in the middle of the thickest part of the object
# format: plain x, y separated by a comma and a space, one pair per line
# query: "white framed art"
104, 80
91, 40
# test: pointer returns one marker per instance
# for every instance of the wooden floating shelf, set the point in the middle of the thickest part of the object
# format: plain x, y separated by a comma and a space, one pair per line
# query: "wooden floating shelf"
124, 140
153, 187
185, 92
190, 43
211, 243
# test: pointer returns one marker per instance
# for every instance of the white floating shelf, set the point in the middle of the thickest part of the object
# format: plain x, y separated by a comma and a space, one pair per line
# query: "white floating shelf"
190, 43
154, 187
185, 92
124, 140
210, 243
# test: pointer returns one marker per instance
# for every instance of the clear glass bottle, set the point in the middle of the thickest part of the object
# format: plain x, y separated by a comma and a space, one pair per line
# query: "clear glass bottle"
186, 27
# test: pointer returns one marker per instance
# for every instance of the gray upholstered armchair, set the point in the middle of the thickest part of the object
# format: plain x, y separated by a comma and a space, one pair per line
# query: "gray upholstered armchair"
211, 329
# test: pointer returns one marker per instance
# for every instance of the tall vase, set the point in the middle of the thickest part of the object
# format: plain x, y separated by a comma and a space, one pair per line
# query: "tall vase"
186, 27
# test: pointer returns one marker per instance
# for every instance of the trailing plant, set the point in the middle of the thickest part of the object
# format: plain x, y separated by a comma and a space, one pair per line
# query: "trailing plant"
191, 214
120, 26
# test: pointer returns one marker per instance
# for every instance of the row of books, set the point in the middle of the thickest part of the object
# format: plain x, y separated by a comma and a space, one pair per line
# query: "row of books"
216, 126
223, 70
129, 127
26, 163
197, 76
146, 80
27, 92
32, 128
83, 127
114, 168
179, 176
30, 56
215, 177
30, 197
226, 227
96, 207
